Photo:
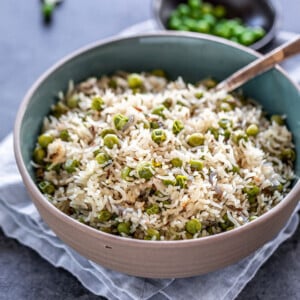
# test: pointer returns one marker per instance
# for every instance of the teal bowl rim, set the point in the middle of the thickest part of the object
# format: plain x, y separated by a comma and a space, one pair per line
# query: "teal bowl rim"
29, 183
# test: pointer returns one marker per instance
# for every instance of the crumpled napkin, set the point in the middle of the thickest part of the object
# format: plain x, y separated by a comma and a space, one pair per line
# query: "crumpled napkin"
19, 219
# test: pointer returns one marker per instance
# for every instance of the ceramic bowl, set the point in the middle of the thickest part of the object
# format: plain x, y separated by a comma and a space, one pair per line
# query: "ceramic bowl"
194, 57
253, 13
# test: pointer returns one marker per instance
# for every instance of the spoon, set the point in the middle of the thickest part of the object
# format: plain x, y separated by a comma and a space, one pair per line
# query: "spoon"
260, 65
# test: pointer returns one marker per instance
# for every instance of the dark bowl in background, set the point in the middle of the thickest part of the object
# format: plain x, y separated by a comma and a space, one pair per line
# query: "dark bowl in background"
253, 13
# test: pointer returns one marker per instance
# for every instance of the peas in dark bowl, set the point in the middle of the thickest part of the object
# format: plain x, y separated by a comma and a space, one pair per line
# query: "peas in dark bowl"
250, 23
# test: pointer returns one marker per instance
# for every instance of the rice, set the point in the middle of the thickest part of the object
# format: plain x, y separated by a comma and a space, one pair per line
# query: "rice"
133, 187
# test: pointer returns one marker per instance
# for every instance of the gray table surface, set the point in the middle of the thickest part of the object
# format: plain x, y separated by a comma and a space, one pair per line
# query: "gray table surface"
28, 48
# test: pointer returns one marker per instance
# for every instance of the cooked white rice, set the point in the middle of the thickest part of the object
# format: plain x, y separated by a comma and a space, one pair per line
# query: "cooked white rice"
215, 195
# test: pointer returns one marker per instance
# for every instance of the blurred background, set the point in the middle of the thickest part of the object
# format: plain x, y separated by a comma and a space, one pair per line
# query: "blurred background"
27, 48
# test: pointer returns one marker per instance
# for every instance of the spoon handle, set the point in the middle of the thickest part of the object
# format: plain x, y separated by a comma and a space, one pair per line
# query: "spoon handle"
260, 65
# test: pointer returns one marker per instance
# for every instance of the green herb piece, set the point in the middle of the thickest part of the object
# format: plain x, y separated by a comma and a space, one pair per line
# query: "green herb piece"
145, 170
120, 121
97, 103
177, 126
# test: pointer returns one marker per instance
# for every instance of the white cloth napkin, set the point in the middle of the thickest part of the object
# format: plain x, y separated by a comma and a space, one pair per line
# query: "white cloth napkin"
19, 219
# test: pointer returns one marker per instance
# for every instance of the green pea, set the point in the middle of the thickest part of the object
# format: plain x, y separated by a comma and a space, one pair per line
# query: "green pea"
47, 187
247, 38
102, 158
106, 131
104, 215
134, 81
97, 103
59, 109
224, 106
191, 24
198, 95
145, 170
71, 165
183, 10
193, 226
238, 136
176, 162
252, 218
64, 135
168, 102
207, 8
195, 14
194, 4
72, 101
277, 119
158, 136
237, 31
181, 180
196, 139
153, 209
223, 30
154, 125
210, 19
110, 140
167, 182
44, 140
226, 224
225, 123
174, 23
159, 111
159, 73
152, 234
125, 173
120, 121
202, 26
252, 130
251, 192
196, 164
124, 227
219, 11
38, 155
177, 126
288, 154
259, 32
146, 124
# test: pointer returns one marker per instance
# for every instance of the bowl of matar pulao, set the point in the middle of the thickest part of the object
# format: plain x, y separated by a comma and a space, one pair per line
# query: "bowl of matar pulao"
136, 162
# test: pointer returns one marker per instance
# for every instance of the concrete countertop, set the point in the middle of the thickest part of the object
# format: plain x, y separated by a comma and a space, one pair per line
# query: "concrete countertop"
28, 48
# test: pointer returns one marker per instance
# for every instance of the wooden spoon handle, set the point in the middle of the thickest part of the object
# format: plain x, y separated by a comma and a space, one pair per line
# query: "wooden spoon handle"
260, 65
